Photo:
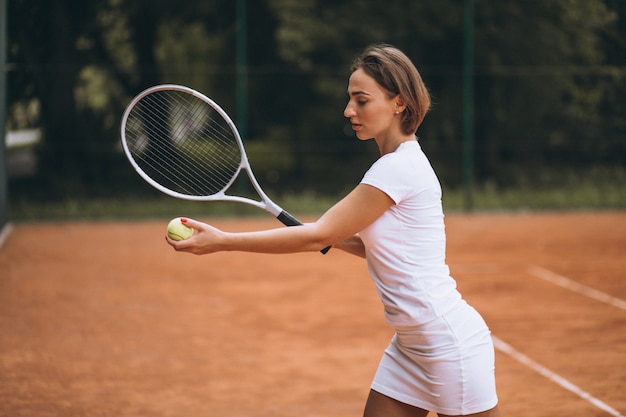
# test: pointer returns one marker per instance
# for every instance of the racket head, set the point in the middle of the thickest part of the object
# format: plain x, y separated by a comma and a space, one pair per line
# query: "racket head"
182, 143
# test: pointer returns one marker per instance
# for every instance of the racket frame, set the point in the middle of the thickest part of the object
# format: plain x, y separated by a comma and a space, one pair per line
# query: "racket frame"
264, 203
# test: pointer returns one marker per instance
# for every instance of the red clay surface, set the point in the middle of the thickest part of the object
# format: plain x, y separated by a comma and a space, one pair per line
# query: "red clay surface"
104, 319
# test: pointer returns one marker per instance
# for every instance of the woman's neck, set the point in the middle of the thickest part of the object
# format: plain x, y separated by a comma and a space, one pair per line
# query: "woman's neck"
391, 144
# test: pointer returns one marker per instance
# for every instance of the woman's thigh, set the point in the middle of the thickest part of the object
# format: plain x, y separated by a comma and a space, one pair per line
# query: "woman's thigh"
379, 405
494, 412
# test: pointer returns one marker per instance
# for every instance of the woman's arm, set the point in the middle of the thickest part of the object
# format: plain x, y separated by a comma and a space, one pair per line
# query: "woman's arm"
338, 226
352, 245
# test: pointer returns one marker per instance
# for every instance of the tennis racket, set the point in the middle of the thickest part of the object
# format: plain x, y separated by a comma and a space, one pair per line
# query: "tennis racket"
185, 145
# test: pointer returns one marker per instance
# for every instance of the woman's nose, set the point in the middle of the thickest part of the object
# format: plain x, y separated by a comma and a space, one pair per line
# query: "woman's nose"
348, 111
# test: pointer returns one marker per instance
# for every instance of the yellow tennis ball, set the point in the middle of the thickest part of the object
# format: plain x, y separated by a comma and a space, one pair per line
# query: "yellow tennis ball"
176, 230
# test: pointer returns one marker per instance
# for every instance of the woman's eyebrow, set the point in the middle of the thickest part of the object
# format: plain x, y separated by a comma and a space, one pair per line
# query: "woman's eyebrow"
357, 93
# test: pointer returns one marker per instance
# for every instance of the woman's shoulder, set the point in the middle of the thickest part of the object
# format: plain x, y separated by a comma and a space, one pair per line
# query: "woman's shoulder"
394, 169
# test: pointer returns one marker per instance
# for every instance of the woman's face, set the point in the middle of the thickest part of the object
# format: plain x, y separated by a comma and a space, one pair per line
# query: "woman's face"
372, 114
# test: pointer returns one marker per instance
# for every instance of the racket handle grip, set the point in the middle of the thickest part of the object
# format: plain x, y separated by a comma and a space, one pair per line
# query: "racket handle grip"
288, 220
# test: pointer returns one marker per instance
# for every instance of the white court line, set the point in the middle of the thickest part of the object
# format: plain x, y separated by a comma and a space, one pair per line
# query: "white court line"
574, 286
520, 357
5, 232
571, 285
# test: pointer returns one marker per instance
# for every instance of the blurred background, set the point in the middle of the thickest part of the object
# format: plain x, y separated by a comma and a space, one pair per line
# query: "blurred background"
529, 108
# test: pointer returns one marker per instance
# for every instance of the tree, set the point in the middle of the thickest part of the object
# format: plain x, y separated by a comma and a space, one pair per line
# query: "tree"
536, 106
46, 44
82, 61
550, 77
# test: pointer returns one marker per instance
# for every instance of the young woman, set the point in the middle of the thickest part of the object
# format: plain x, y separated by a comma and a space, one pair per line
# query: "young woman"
441, 357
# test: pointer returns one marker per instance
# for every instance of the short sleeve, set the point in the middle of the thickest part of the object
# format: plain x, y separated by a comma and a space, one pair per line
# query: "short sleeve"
390, 175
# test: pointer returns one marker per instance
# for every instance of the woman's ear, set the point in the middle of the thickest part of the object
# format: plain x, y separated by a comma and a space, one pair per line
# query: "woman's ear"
400, 104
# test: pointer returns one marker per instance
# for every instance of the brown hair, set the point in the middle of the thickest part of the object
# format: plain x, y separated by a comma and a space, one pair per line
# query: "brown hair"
395, 72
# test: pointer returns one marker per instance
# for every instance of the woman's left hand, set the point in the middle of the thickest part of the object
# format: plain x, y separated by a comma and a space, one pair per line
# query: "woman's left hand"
206, 239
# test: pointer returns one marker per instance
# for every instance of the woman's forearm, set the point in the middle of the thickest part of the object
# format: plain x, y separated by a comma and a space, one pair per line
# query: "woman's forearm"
281, 240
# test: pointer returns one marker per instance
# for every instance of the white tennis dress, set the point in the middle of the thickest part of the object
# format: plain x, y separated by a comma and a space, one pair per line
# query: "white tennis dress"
441, 358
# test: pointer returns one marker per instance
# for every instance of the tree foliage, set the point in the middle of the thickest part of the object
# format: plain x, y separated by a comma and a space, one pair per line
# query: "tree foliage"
550, 81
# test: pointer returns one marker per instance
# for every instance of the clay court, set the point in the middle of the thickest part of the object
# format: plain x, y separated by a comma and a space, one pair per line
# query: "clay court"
105, 319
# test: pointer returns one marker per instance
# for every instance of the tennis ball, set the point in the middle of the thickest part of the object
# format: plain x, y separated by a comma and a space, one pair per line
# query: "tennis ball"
176, 230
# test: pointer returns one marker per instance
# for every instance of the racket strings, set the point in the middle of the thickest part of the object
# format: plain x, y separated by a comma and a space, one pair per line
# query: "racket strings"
183, 143
152, 150
197, 162
154, 157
